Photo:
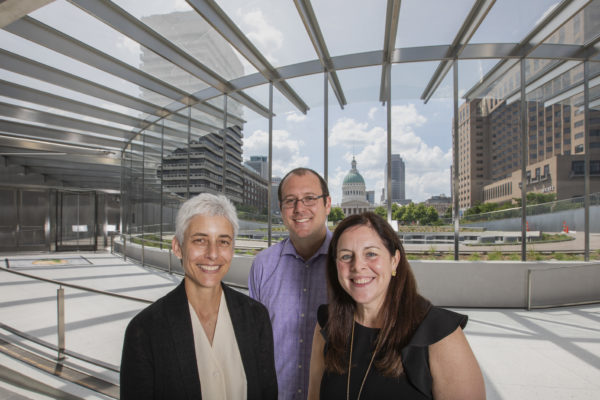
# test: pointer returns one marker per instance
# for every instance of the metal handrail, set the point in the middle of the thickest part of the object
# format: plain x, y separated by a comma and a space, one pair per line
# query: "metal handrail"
60, 348
87, 289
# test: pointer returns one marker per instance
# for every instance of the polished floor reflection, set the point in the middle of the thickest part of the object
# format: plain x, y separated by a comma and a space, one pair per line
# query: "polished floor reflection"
543, 354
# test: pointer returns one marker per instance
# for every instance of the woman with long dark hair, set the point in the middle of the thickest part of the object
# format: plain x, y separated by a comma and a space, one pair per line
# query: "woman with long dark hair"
378, 338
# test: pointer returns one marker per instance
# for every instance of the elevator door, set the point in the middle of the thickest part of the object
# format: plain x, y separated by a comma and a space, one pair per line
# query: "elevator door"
76, 221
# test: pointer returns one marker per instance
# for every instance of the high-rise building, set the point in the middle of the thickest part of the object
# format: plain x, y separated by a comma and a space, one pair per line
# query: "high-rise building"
203, 164
210, 144
555, 150
275, 196
398, 179
260, 165
371, 197
202, 42
255, 190
489, 133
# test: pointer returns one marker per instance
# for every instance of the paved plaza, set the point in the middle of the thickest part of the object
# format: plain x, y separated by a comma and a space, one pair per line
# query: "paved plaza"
543, 354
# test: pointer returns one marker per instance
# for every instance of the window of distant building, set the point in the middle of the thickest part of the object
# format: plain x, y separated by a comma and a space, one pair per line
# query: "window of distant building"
579, 148
577, 167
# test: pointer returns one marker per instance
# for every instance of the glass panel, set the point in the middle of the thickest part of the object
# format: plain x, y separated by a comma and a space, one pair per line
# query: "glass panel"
340, 20
93, 32
594, 132
64, 113
70, 94
471, 72
33, 214
555, 184
53, 59
253, 210
182, 25
410, 79
360, 84
580, 29
421, 160
9, 220
509, 21
417, 18
274, 27
295, 134
489, 157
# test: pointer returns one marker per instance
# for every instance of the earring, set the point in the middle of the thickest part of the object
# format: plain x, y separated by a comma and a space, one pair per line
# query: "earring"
394, 273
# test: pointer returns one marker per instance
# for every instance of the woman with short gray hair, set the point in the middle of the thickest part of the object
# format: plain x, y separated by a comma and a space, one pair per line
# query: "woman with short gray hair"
203, 339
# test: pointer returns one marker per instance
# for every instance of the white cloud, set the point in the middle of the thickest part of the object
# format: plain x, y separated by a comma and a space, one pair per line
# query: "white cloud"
264, 35
286, 151
427, 166
372, 112
129, 48
293, 116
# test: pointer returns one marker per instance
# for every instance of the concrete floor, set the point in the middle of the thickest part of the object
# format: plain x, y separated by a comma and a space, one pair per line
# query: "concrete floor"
542, 354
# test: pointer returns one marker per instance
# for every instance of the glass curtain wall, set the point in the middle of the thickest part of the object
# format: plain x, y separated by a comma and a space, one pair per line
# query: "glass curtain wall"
539, 148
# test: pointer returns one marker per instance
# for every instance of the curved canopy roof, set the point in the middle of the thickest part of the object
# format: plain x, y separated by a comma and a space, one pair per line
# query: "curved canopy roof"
77, 86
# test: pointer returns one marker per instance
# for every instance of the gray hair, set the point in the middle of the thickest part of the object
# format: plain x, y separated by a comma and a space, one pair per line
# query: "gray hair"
205, 204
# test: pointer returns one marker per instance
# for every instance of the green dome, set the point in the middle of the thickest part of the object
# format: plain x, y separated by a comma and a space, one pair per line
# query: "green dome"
353, 176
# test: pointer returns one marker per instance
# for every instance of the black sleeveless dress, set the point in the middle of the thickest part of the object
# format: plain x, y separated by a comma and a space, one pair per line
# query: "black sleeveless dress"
414, 383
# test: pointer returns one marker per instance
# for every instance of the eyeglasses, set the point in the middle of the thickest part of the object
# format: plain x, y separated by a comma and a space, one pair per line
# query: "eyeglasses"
308, 201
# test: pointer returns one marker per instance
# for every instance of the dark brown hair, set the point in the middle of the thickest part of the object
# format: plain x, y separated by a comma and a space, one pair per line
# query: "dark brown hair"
401, 313
303, 171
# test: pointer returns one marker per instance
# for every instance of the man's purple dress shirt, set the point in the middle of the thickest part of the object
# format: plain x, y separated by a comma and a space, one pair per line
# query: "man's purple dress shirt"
292, 290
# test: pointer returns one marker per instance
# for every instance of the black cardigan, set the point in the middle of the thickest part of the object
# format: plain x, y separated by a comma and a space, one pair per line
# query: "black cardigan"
159, 359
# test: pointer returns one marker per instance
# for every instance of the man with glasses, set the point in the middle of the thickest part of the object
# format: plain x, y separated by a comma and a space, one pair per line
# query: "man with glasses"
289, 277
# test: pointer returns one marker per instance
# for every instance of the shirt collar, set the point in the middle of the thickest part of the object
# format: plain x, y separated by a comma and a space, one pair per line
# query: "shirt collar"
289, 249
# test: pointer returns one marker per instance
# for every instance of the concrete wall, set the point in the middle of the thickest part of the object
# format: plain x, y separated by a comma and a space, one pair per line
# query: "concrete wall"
496, 284
504, 284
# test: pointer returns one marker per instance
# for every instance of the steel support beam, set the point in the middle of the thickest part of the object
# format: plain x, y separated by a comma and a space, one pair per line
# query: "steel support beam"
214, 15
475, 17
543, 30
313, 30
128, 25
389, 43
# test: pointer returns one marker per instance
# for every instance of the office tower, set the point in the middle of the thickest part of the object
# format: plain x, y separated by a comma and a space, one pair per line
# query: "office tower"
202, 164
274, 195
371, 197
260, 165
255, 190
398, 179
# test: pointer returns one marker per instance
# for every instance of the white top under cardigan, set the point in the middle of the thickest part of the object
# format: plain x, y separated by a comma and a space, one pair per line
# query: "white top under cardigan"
220, 366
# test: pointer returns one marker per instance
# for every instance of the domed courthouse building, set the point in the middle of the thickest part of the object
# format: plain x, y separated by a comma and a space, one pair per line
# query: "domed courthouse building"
354, 193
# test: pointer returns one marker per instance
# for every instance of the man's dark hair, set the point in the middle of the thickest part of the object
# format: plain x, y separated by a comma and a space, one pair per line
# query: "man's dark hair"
303, 171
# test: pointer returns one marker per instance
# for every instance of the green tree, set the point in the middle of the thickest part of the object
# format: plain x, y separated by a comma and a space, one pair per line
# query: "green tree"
448, 213
420, 213
336, 214
397, 212
408, 216
431, 216
381, 211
